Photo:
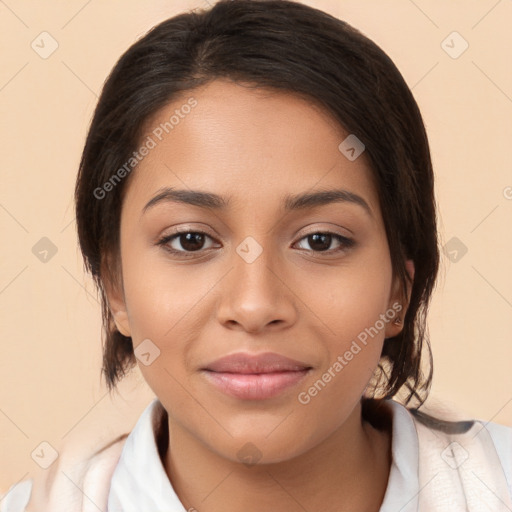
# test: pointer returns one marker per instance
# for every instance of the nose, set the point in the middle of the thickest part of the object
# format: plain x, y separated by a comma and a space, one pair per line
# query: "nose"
256, 296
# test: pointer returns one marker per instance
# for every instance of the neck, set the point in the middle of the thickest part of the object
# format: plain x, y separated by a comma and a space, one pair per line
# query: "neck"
347, 471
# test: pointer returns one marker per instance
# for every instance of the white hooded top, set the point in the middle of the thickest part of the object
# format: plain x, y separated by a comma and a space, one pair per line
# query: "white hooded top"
431, 470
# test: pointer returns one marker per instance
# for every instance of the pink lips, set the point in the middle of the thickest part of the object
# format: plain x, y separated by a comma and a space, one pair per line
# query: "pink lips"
255, 377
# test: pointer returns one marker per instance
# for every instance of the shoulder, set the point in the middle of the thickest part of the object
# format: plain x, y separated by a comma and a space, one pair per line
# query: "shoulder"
466, 445
74, 477
17, 497
501, 436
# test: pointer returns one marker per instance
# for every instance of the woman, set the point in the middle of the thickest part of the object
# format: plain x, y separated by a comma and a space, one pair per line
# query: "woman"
255, 202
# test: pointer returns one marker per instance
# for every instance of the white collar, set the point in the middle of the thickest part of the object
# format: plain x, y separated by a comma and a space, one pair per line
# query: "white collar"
403, 483
140, 482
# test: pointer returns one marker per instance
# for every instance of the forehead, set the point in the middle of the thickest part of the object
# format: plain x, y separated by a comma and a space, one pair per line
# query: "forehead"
247, 143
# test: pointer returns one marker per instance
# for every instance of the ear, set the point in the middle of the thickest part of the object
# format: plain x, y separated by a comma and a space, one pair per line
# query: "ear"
398, 303
112, 284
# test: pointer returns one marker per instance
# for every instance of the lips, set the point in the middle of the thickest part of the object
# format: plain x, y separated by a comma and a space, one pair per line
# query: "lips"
267, 362
255, 377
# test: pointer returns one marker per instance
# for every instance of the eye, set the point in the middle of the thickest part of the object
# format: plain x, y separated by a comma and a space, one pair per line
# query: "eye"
185, 243
190, 241
321, 241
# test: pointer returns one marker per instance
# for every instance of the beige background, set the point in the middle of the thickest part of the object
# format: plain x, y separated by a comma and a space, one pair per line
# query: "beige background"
50, 318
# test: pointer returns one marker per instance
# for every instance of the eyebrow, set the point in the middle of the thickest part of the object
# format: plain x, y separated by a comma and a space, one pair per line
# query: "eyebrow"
291, 202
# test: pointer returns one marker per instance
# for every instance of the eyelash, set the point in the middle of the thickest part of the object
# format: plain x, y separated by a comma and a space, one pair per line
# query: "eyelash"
346, 243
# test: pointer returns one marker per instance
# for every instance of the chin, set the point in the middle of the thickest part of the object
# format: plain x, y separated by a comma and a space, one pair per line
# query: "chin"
253, 449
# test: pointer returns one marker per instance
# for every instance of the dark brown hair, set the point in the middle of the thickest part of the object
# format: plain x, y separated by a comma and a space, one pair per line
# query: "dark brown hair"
287, 46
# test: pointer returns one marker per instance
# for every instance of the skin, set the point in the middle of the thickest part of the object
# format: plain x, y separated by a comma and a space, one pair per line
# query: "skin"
255, 146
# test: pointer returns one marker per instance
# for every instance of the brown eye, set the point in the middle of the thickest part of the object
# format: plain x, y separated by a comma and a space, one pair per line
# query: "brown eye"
191, 241
321, 242
185, 242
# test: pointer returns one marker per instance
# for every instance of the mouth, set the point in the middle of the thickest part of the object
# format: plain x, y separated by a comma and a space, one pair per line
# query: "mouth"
255, 377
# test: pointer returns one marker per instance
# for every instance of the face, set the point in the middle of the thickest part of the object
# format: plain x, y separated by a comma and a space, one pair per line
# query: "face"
249, 269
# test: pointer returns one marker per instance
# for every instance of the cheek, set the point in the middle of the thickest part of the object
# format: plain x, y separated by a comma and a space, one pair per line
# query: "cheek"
166, 305
163, 308
351, 306
353, 343
159, 296
350, 298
